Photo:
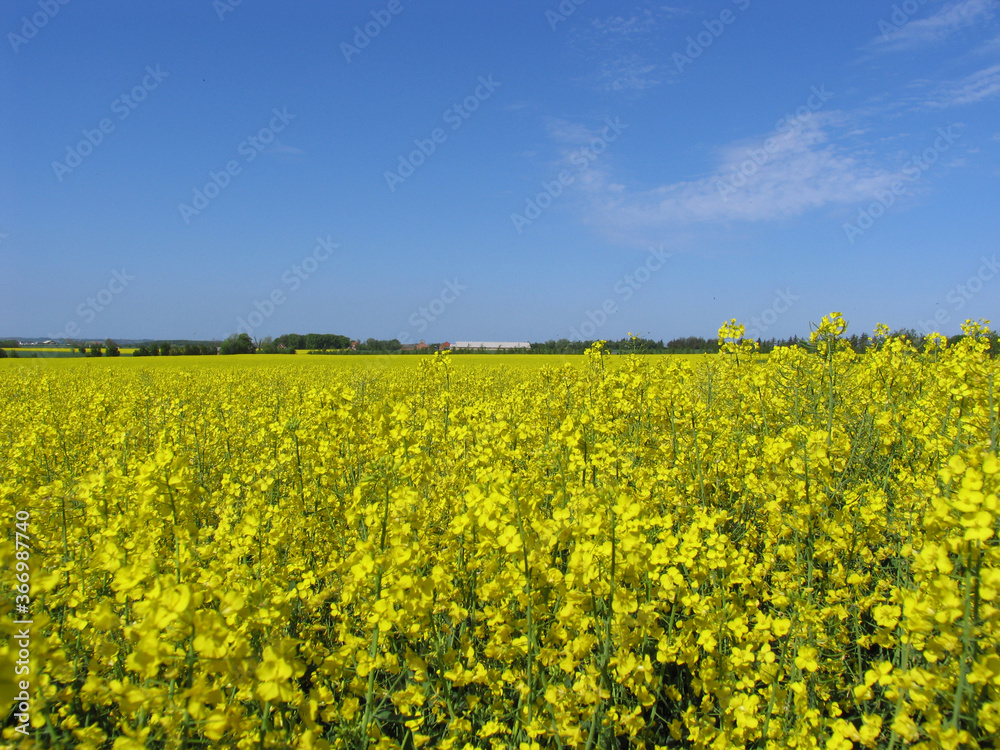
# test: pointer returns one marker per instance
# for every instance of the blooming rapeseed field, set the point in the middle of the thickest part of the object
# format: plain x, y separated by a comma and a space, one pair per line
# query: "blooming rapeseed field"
726, 551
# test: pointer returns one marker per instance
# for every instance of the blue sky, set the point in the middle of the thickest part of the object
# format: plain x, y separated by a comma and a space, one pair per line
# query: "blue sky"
496, 171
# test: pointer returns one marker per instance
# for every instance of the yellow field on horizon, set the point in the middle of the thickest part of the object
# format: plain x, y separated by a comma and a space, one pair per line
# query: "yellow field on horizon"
362, 361
124, 350
506, 551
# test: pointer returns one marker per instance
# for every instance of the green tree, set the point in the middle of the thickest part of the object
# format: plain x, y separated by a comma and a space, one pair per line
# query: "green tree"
237, 344
111, 348
291, 342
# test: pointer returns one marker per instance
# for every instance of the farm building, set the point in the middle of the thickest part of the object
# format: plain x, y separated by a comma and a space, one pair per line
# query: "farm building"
489, 346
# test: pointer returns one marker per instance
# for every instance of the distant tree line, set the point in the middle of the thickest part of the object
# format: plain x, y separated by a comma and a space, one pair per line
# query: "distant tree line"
699, 345
174, 349
96, 349
9, 344
241, 343
289, 343
862, 342
333, 343
379, 345
312, 341
626, 345
238, 344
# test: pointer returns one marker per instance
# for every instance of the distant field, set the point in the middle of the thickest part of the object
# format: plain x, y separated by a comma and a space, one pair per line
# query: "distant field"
334, 361
50, 351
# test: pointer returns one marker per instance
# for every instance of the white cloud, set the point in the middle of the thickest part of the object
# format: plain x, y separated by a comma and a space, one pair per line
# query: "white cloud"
285, 149
628, 48
903, 33
618, 30
795, 171
628, 73
569, 133
981, 85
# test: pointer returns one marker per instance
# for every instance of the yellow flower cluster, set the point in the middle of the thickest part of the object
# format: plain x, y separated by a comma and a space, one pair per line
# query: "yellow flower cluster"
726, 551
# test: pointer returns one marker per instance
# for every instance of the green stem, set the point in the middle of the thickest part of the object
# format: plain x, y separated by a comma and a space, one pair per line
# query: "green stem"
968, 647
373, 648
527, 587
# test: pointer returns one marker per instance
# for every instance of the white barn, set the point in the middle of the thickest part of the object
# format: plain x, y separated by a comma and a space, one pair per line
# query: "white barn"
490, 346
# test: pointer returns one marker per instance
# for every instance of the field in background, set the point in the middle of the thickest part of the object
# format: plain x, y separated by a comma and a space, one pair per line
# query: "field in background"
366, 361
509, 551
47, 352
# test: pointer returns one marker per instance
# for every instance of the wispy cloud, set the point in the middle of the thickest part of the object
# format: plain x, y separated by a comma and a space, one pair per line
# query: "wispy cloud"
981, 85
283, 149
629, 73
615, 31
804, 169
627, 46
567, 133
901, 32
